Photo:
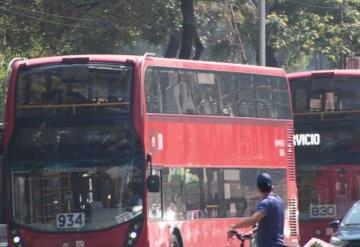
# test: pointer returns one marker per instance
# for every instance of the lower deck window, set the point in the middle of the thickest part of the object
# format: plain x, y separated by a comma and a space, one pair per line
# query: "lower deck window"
191, 193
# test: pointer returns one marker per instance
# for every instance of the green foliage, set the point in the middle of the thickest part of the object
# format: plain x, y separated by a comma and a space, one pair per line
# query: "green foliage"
316, 244
327, 28
296, 31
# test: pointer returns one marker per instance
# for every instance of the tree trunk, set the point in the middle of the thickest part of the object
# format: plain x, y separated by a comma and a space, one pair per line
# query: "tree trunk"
173, 45
189, 33
270, 57
198, 47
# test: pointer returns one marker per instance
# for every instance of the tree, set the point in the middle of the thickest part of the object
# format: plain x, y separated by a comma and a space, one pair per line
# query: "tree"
312, 28
298, 32
190, 35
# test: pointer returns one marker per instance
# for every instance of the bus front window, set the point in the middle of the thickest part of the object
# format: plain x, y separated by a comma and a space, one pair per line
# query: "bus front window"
71, 90
326, 94
77, 197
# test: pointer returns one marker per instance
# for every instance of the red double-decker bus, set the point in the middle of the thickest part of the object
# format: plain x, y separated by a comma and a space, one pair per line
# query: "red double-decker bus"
114, 150
326, 106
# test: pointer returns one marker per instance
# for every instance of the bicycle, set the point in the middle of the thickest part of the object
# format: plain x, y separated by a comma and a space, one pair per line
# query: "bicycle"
241, 236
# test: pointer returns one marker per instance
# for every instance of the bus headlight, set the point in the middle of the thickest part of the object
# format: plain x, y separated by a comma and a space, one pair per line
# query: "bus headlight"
133, 235
16, 238
133, 232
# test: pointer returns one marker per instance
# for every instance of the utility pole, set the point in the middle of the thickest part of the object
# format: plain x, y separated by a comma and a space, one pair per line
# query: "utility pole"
262, 48
342, 56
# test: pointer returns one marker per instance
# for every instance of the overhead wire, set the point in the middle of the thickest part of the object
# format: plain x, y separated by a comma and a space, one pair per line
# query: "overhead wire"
49, 14
45, 20
29, 14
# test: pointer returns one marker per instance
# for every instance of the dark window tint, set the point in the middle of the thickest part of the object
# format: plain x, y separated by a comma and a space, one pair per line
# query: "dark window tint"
328, 94
192, 193
328, 143
180, 91
72, 139
87, 89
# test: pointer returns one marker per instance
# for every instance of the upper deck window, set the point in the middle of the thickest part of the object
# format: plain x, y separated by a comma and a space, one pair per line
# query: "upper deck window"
184, 91
63, 89
326, 94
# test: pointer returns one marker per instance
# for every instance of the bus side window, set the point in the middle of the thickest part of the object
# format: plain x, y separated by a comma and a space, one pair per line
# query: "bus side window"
187, 93
208, 104
153, 92
263, 97
212, 200
52, 97
172, 94
75, 98
246, 94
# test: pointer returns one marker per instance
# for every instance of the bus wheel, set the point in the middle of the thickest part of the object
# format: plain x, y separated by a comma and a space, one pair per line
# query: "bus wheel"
174, 242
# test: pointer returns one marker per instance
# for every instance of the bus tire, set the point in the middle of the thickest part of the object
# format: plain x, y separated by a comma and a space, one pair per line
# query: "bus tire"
174, 242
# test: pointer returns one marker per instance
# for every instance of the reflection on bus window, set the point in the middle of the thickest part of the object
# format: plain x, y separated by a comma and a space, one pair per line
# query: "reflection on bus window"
181, 91
335, 187
72, 140
193, 193
98, 196
85, 89
326, 94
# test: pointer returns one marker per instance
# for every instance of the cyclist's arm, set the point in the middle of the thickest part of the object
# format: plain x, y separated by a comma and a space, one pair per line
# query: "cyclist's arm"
250, 221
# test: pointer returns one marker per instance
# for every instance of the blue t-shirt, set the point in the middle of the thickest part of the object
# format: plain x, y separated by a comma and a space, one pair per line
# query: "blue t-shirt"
270, 232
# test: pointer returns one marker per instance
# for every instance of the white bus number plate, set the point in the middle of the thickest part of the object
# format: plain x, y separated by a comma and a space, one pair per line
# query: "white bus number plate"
70, 220
323, 211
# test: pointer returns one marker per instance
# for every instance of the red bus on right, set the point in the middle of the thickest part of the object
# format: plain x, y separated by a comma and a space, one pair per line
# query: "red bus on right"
326, 106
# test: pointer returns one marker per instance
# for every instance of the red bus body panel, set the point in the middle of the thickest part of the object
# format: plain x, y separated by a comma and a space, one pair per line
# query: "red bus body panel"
197, 141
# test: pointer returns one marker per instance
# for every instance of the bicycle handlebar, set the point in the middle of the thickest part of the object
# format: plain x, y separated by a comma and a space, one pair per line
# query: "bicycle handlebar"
241, 236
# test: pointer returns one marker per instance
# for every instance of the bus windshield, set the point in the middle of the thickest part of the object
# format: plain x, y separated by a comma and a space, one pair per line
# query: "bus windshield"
327, 94
73, 89
77, 195
73, 174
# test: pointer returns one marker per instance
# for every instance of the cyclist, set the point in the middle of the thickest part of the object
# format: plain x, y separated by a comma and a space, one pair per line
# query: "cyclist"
269, 216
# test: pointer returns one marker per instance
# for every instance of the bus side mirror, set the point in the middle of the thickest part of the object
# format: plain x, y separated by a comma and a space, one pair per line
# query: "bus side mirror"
153, 183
